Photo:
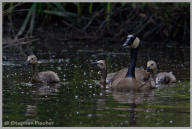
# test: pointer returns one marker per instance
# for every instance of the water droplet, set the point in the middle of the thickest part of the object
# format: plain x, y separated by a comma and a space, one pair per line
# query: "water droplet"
90, 115
58, 68
67, 60
60, 60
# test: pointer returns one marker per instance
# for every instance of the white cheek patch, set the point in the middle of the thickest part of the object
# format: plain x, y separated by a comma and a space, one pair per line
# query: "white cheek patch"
135, 43
148, 64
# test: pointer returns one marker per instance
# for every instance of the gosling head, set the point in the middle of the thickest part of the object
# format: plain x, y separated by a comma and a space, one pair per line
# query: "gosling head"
101, 64
31, 60
162, 80
151, 66
131, 42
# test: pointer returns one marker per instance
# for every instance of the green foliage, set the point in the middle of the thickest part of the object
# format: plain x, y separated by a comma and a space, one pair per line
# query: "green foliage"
108, 9
123, 3
78, 5
36, 11
31, 14
90, 8
46, 11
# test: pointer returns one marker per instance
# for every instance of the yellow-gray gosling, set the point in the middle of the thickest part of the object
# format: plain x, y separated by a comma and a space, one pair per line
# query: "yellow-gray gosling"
105, 78
160, 78
45, 76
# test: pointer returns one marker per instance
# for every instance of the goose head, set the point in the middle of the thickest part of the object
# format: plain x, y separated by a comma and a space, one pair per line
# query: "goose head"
131, 42
101, 64
31, 60
151, 66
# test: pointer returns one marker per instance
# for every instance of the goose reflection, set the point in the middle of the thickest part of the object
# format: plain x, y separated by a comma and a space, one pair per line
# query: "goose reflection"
41, 92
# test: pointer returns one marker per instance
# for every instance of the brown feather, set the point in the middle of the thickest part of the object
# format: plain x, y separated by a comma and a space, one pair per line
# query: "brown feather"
45, 76
140, 74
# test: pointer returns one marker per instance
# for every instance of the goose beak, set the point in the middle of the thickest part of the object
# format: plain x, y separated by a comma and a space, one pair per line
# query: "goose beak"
94, 63
127, 44
26, 63
148, 69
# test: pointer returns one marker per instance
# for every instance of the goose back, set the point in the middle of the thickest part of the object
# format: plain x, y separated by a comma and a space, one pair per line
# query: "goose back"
140, 74
46, 76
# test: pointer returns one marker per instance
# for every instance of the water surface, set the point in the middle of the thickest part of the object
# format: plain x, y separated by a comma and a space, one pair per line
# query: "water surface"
78, 101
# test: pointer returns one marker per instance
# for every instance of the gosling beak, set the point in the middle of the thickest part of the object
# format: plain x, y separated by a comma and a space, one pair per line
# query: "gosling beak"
94, 63
148, 69
127, 44
26, 63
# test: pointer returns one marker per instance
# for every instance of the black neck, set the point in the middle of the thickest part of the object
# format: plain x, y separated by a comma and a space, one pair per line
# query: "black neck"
131, 70
103, 76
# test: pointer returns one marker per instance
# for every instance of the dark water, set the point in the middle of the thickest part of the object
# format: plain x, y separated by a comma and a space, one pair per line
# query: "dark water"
78, 101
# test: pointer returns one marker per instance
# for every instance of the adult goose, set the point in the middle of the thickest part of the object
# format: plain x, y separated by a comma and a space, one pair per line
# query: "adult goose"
129, 81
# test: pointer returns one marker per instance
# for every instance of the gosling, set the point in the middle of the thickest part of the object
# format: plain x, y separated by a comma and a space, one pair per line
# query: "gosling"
160, 78
105, 78
43, 77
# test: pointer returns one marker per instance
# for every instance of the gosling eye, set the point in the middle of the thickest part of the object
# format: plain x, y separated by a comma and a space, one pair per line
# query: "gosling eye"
151, 64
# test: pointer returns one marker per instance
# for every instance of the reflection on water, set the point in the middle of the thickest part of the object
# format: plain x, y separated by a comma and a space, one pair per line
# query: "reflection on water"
78, 101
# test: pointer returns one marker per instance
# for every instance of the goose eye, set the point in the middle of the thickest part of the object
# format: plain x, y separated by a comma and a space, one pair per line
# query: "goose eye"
151, 64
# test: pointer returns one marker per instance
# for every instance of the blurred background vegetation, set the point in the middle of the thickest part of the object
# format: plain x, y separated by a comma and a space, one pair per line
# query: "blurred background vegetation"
58, 26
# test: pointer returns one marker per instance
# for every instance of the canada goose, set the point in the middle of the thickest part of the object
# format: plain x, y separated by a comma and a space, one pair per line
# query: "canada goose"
45, 77
128, 81
160, 78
